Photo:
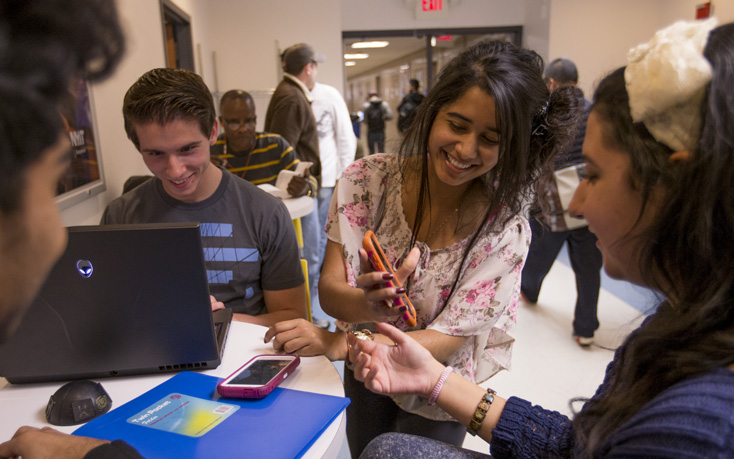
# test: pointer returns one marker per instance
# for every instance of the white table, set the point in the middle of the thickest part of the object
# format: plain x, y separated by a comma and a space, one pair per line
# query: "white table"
25, 404
299, 207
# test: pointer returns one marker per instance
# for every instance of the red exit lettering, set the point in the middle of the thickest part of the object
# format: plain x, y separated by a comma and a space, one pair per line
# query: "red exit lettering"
432, 5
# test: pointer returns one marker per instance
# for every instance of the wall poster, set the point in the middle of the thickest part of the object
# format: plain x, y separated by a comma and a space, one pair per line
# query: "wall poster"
85, 177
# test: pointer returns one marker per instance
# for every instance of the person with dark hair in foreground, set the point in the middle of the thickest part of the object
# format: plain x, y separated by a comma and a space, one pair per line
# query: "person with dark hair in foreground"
79, 39
659, 195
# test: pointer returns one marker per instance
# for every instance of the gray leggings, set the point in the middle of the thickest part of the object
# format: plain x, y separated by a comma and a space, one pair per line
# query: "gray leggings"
404, 446
370, 414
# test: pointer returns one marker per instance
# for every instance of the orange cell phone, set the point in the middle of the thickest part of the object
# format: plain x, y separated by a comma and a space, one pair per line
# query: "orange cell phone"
379, 262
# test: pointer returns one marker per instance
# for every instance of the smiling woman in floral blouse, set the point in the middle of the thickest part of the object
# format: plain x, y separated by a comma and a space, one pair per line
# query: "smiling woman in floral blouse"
447, 210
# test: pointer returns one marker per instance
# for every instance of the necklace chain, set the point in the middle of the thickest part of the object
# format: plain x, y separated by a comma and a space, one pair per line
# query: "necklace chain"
443, 223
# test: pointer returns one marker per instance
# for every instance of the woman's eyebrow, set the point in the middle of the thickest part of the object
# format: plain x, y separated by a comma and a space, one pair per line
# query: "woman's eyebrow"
464, 118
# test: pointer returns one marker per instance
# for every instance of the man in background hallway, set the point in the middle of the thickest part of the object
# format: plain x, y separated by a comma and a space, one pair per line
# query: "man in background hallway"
290, 115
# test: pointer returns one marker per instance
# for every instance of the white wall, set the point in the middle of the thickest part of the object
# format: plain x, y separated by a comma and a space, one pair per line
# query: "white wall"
535, 27
399, 14
684, 9
248, 35
596, 34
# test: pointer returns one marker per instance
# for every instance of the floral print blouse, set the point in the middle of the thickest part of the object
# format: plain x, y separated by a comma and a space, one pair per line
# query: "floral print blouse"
485, 302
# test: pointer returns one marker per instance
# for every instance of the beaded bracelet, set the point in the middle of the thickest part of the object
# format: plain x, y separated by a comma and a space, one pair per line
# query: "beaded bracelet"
481, 412
439, 385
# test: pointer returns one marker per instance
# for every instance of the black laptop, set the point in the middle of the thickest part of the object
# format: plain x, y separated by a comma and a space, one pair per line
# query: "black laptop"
122, 300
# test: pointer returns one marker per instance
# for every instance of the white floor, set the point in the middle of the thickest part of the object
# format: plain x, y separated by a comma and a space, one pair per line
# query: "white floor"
549, 368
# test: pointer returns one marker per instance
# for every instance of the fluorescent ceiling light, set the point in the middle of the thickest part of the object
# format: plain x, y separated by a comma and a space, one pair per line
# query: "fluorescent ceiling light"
370, 44
349, 64
356, 56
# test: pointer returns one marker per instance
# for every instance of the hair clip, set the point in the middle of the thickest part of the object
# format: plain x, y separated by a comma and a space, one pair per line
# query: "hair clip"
542, 111
540, 130
666, 80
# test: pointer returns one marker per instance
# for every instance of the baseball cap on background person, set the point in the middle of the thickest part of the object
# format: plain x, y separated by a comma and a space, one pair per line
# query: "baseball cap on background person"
297, 56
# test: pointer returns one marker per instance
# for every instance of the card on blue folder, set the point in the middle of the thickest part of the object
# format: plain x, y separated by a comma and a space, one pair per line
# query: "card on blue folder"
185, 417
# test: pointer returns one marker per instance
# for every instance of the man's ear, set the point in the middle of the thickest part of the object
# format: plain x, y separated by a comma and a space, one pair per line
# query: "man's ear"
214, 134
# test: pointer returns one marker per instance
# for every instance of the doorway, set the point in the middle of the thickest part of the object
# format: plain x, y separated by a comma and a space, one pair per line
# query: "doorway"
177, 36
404, 55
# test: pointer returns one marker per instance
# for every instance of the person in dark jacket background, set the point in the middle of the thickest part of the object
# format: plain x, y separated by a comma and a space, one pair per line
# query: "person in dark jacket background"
548, 240
409, 105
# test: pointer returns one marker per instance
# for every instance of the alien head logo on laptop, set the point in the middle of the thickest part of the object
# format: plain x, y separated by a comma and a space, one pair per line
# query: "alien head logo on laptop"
85, 268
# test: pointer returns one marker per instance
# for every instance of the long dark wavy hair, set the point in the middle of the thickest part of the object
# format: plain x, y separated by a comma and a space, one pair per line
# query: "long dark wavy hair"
686, 253
43, 45
533, 124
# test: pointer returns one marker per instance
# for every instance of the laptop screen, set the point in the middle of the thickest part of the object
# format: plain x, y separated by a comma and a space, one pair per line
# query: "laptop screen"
122, 300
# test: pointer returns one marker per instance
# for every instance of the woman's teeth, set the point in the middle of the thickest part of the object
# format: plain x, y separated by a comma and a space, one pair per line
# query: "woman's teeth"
456, 163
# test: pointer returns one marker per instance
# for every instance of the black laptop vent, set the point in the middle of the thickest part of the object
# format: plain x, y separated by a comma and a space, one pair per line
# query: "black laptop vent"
183, 366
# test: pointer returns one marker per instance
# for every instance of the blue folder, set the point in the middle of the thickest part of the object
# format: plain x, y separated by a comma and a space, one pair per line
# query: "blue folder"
186, 417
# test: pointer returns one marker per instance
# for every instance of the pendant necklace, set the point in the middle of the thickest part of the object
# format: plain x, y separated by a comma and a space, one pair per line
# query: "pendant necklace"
433, 233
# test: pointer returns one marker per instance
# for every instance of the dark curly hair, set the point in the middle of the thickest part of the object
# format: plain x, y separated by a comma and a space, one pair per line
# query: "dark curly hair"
44, 44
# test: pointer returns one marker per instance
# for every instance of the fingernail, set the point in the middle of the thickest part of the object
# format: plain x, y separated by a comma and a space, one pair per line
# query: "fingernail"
387, 276
400, 290
403, 308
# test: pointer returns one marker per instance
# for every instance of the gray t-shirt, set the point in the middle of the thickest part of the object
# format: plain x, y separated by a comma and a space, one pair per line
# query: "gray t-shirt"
248, 237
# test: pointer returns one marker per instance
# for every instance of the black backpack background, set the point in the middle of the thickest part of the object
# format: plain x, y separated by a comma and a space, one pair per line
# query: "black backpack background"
373, 116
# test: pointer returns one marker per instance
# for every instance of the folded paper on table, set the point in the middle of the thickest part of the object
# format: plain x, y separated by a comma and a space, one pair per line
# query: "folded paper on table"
185, 417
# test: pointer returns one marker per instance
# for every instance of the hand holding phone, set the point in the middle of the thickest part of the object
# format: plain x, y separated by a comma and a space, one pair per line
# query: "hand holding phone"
379, 262
259, 376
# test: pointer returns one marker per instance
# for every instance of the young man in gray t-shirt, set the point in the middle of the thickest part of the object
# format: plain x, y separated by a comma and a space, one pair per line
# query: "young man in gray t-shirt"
250, 246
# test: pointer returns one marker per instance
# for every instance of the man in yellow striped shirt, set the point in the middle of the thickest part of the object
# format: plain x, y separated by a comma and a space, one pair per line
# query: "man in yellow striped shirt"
255, 156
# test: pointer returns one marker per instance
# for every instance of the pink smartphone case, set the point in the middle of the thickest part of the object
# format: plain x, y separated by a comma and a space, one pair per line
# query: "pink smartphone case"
257, 391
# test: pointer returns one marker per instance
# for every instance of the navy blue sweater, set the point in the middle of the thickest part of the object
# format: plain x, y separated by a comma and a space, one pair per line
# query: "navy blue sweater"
692, 419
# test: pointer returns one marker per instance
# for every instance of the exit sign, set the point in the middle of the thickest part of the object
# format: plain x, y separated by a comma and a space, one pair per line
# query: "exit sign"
432, 5
431, 9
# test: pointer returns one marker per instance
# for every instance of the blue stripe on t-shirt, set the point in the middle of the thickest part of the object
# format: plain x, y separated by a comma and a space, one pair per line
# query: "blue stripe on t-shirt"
215, 229
237, 254
218, 277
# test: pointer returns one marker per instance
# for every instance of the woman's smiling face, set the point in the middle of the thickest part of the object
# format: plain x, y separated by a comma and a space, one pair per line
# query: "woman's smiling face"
464, 140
